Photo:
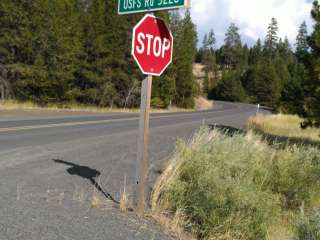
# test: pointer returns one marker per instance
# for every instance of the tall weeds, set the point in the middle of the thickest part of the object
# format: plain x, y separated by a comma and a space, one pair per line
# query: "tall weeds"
236, 187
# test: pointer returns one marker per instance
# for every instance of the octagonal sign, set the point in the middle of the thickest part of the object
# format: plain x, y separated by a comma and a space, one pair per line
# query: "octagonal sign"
152, 44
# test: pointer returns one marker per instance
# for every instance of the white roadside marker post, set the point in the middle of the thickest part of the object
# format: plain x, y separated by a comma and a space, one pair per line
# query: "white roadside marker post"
258, 109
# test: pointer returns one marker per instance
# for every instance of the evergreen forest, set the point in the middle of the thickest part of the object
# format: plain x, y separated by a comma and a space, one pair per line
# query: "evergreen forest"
79, 51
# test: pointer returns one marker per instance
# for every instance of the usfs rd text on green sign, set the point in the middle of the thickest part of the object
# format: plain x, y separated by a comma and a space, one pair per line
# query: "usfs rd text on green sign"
134, 6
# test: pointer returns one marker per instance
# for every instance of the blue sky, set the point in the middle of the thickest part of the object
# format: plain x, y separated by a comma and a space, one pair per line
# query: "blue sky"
251, 16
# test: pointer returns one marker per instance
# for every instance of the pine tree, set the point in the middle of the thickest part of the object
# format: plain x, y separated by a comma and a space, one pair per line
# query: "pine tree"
211, 41
255, 53
248, 80
232, 38
64, 36
209, 61
12, 18
163, 87
245, 52
311, 110
284, 51
292, 96
282, 71
229, 88
272, 38
108, 76
302, 39
266, 84
283, 58
185, 56
40, 47
205, 41
232, 48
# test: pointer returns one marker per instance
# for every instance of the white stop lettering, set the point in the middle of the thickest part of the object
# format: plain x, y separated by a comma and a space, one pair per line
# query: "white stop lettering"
148, 42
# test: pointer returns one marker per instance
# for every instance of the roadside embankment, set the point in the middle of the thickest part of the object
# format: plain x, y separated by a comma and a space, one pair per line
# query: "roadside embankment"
226, 187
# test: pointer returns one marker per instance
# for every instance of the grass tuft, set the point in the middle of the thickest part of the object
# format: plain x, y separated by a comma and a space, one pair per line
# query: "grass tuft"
124, 202
96, 201
124, 199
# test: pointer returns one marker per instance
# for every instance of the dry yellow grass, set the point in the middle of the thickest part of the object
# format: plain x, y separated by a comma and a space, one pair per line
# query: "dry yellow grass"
124, 202
74, 107
284, 126
28, 105
99, 201
173, 224
96, 201
203, 104
284, 229
124, 199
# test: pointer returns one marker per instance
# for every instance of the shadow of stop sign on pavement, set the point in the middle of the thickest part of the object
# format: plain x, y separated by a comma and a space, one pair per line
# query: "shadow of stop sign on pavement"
152, 45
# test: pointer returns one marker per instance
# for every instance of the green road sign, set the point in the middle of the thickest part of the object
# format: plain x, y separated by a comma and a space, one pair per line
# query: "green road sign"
136, 6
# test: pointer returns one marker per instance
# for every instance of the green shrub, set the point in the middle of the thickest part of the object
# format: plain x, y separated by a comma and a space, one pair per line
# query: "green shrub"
296, 175
157, 103
236, 187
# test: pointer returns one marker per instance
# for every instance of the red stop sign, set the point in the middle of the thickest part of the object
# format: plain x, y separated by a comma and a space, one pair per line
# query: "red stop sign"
152, 45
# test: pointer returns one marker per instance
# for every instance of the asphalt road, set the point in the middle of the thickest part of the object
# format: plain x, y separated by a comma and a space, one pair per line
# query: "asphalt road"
48, 166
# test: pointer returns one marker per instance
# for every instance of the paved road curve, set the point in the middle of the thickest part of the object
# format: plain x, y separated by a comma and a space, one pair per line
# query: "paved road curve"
48, 167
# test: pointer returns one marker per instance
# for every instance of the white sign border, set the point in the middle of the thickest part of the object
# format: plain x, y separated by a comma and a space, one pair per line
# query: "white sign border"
185, 5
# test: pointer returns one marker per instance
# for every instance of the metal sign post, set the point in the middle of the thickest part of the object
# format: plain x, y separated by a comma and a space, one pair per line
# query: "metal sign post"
142, 164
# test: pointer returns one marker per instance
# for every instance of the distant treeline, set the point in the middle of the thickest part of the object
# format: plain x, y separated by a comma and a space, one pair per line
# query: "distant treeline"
271, 73
79, 51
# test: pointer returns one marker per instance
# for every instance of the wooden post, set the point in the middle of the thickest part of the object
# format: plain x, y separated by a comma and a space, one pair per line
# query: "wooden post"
188, 4
142, 164
1, 92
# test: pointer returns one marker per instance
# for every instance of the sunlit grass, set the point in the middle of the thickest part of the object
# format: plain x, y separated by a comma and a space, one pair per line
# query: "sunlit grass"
284, 126
75, 107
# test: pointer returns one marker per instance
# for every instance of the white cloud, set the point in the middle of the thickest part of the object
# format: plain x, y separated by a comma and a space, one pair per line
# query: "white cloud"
251, 16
